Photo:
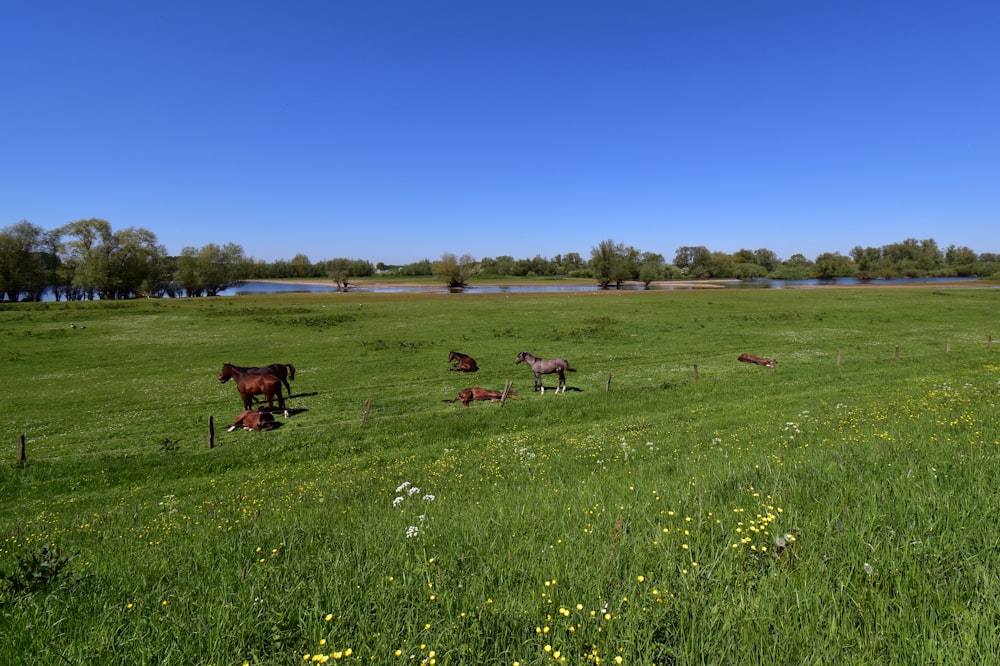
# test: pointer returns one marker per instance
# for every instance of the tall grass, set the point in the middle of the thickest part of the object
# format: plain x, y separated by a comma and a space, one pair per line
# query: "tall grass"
820, 512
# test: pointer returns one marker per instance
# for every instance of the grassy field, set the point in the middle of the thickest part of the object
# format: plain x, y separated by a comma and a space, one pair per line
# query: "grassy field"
700, 511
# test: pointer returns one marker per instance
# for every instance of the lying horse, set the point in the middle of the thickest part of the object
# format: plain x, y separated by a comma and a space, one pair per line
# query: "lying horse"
283, 371
465, 363
759, 360
250, 385
546, 366
466, 396
254, 420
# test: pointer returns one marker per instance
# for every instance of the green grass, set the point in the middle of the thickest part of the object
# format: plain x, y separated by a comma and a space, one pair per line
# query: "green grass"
822, 512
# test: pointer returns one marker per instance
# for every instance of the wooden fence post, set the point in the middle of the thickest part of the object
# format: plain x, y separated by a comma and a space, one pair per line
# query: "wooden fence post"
211, 432
989, 342
22, 456
368, 407
947, 346
506, 392
607, 386
897, 352
695, 373
838, 357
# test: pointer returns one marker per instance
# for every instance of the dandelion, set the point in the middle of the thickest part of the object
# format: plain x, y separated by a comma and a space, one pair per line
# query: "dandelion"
329, 616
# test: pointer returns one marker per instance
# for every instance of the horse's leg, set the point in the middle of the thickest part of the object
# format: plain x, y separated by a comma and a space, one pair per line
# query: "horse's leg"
281, 401
247, 400
562, 381
538, 382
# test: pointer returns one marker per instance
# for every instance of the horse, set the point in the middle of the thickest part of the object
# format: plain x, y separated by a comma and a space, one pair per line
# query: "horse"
253, 420
283, 371
249, 385
466, 396
465, 363
766, 362
546, 366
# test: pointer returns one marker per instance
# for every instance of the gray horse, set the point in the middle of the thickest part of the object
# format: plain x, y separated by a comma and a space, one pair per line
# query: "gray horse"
546, 366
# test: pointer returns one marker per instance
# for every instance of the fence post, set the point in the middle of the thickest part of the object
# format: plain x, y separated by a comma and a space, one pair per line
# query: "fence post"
368, 407
897, 352
989, 342
607, 386
947, 346
21, 455
506, 392
211, 432
695, 373
838, 357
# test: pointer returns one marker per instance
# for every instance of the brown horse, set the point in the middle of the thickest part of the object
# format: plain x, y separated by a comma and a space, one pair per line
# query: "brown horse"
254, 420
466, 396
546, 366
283, 371
766, 362
465, 363
250, 385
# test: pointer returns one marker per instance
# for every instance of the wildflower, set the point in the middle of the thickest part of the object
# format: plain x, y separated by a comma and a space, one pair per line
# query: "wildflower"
412, 531
403, 486
428, 498
329, 616
396, 502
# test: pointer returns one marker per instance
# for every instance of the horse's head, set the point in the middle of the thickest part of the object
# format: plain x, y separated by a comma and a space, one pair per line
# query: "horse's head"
226, 374
452, 356
523, 356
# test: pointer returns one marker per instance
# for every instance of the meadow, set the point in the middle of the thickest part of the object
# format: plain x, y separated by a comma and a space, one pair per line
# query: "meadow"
673, 507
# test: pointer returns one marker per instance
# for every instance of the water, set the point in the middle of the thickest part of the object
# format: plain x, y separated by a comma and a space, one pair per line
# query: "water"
264, 287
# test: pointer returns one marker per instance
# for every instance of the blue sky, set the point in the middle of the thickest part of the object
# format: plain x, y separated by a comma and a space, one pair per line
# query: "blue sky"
395, 131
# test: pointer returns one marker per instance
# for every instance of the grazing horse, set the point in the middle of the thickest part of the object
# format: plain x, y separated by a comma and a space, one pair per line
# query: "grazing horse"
250, 385
466, 396
283, 371
546, 366
253, 420
465, 363
759, 360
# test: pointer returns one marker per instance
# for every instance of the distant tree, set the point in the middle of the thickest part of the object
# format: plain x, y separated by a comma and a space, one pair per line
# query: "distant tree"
867, 262
959, 256
342, 270
301, 266
608, 264
417, 268
208, 270
651, 268
765, 258
25, 262
454, 271
693, 261
831, 265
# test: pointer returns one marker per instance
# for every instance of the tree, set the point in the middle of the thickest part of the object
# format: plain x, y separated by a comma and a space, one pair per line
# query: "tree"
87, 252
693, 261
651, 268
24, 262
454, 271
608, 264
831, 265
211, 269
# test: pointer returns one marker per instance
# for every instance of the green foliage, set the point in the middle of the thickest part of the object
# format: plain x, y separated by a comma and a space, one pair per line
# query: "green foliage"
838, 508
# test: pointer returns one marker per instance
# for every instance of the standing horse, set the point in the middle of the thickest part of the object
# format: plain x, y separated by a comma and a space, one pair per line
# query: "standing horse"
250, 385
465, 363
283, 371
546, 366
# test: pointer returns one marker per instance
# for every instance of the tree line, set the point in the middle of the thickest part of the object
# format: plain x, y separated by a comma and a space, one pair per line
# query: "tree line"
88, 259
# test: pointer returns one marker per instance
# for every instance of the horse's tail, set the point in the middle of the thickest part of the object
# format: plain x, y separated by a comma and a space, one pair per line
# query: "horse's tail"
453, 400
291, 370
568, 368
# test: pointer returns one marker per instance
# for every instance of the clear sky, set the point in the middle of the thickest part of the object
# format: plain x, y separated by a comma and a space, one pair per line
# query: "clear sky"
398, 130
